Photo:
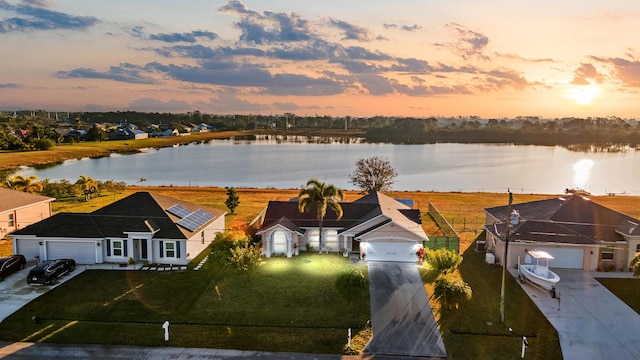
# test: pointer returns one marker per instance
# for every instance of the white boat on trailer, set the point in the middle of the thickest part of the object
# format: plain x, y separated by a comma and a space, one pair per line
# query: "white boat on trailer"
536, 273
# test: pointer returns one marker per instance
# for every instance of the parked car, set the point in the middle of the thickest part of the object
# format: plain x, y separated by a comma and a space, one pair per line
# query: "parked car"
11, 264
48, 271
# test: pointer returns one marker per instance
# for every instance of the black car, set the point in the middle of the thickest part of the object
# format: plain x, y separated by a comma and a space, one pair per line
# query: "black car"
48, 271
11, 264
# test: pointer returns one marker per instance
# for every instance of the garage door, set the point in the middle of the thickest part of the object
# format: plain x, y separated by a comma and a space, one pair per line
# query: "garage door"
391, 251
565, 258
81, 252
29, 248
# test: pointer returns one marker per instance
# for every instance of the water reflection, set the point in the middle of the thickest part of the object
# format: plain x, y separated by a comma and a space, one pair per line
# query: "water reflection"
582, 171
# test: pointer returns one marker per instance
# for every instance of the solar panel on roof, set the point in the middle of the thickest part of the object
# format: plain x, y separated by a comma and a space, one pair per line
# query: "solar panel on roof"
195, 220
179, 211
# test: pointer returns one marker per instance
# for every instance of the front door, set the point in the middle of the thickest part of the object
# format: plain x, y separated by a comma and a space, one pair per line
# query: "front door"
143, 251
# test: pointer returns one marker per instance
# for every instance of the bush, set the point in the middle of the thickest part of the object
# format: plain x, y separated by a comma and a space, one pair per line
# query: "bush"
451, 293
44, 144
443, 260
352, 284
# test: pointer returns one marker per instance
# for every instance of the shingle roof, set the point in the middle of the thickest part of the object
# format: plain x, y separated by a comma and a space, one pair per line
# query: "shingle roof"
140, 212
354, 214
13, 199
571, 219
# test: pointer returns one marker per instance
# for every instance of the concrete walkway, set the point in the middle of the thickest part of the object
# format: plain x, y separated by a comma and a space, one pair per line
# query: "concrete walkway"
592, 323
403, 323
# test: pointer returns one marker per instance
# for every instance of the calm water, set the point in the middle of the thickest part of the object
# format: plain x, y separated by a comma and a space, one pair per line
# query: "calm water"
439, 167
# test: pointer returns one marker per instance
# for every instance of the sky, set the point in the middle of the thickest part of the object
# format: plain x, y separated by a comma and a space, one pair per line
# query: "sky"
415, 58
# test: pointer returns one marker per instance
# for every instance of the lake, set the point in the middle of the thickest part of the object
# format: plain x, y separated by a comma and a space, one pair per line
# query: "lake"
289, 163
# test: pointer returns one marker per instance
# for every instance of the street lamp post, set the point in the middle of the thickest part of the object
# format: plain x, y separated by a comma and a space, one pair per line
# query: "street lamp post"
512, 219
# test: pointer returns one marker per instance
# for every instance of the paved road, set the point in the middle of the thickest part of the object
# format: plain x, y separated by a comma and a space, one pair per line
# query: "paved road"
592, 323
403, 323
39, 351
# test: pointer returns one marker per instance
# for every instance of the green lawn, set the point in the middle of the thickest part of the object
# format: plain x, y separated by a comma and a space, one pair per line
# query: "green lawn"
625, 289
287, 305
474, 331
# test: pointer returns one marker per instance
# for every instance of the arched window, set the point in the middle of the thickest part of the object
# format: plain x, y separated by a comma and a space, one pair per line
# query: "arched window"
331, 240
314, 239
279, 242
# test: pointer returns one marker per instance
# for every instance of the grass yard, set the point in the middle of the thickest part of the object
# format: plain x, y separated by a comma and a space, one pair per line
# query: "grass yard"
473, 331
625, 289
287, 305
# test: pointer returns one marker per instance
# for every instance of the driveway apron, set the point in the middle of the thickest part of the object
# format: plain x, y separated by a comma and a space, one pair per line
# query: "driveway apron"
403, 323
592, 323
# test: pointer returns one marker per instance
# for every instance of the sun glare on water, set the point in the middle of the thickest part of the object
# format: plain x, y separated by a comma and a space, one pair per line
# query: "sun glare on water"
582, 171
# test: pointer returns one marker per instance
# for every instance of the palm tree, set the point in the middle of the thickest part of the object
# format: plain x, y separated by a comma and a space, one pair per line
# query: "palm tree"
635, 264
142, 181
323, 196
88, 185
23, 183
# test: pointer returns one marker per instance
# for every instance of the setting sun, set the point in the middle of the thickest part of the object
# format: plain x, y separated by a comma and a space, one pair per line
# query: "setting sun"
583, 94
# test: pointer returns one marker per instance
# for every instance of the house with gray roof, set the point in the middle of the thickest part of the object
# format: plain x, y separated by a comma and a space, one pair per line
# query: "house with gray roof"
142, 227
375, 226
577, 232
19, 209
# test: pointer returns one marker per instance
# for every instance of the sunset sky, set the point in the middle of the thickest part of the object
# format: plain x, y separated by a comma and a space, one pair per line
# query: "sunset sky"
358, 58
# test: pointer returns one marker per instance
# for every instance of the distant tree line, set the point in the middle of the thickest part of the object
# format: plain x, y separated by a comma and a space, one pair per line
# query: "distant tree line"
41, 128
599, 132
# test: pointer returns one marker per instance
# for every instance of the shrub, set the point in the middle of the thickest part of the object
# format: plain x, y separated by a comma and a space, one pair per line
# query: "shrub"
44, 144
443, 260
352, 284
451, 293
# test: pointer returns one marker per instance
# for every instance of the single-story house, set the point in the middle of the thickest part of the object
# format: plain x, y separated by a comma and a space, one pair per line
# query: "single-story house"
142, 227
19, 209
577, 232
375, 226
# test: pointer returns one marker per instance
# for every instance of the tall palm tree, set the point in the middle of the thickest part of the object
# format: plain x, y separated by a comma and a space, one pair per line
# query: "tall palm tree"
323, 196
23, 183
88, 185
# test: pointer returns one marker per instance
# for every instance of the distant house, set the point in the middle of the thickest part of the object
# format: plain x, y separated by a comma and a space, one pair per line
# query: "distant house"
577, 232
143, 226
375, 227
169, 132
19, 209
128, 132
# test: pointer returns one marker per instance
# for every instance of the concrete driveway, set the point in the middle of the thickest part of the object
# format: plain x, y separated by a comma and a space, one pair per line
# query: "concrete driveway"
403, 323
592, 323
16, 293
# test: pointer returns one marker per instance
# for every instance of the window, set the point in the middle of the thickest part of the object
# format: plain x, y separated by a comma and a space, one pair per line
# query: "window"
116, 245
331, 240
11, 222
117, 248
606, 253
638, 248
170, 249
202, 237
314, 239
279, 242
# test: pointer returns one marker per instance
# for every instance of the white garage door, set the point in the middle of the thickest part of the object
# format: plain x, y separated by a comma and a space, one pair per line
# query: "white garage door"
565, 258
81, 252
391, 251
29, 248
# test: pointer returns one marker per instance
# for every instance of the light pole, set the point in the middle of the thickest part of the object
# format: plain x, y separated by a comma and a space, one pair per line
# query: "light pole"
513, 218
